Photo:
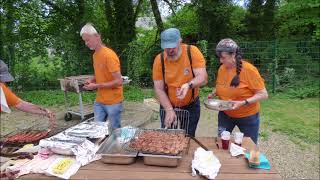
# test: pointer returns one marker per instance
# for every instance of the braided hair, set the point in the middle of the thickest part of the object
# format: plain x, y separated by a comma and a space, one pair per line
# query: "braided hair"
236, 79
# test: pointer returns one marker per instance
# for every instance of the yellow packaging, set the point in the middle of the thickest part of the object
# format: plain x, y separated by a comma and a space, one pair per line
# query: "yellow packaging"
62, 166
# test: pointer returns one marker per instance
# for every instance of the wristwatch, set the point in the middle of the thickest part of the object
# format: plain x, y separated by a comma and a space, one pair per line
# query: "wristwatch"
190, 84
246, 102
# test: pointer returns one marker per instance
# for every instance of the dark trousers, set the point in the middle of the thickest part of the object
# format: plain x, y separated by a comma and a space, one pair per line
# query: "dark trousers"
194, 115
249, 126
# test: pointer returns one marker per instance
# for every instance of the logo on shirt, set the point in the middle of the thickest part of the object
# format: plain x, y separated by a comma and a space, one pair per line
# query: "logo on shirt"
186, 72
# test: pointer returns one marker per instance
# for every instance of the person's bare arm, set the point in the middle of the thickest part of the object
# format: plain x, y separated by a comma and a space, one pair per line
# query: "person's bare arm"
165, 102
35, 109
258, 96
200, 79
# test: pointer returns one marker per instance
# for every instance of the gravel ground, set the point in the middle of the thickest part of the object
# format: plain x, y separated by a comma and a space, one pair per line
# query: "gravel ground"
289, 159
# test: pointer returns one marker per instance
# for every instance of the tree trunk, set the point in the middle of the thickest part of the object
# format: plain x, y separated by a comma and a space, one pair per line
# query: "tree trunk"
10, 36
157, 15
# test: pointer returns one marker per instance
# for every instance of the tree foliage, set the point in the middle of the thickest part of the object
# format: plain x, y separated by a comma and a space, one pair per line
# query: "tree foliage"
299, 20
218, 25
40, 40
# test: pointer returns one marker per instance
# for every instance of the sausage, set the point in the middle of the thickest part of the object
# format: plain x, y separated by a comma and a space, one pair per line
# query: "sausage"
159, 142
11, 138
22, 138
34, 137
14, 138
27, 137
38, 136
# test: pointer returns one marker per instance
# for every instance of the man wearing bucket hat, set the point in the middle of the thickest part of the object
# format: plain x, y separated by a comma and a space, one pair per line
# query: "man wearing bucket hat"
240, 82
178, 72
9, 99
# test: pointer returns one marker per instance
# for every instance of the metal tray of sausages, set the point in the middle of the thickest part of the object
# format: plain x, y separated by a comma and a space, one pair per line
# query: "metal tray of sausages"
161, 160
112, 151
164, 160
151, 149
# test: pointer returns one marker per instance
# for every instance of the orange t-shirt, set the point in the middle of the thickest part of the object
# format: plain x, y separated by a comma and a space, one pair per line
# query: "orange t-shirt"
106, 62
250, 82
179, 72
12, 99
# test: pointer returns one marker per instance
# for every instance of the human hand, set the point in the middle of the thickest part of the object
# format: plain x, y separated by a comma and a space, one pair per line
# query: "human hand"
52, 118
89, 80
90, 86
170, 118
212, 95
182, 91
237, 104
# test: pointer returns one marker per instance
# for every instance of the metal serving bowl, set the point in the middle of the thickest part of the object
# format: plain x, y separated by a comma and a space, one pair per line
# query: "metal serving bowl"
218, 105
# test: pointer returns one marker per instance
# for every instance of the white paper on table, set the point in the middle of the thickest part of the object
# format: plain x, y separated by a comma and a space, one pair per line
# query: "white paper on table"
236, 150
206, 163
3, 101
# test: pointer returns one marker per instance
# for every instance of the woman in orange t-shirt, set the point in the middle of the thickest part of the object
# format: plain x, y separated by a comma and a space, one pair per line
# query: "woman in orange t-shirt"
240, 82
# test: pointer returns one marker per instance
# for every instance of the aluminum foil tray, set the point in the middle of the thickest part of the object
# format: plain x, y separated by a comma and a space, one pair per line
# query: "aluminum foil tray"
112, 151
130, 144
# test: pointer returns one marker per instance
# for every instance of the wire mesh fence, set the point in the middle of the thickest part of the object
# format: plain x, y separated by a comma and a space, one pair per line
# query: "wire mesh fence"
278, 62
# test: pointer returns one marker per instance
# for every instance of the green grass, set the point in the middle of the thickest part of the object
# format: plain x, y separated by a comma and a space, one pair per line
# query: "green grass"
294, 117
56, 97
297, 118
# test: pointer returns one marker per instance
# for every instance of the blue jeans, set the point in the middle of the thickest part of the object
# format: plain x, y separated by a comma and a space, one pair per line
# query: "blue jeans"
194, 115
249, 126
103, 112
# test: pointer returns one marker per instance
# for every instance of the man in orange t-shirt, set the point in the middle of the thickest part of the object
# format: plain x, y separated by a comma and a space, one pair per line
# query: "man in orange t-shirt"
239, 82
177, 79
11, 100
107, 78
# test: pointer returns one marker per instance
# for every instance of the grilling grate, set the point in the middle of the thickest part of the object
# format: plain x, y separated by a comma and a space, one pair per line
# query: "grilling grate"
182, 120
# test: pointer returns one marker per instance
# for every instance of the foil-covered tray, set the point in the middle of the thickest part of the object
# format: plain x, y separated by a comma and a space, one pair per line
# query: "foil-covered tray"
88, 129
218, 105
64, 144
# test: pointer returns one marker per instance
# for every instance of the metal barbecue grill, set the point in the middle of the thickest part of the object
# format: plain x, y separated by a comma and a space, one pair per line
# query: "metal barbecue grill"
75, 84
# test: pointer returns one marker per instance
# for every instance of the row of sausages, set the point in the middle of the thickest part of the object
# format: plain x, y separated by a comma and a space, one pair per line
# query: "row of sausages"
159, 142
26, 137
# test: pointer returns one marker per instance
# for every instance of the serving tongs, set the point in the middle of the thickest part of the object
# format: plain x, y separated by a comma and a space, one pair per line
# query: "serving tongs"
198, 142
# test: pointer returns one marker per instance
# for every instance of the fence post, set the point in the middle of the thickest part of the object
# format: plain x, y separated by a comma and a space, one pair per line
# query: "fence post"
274, 64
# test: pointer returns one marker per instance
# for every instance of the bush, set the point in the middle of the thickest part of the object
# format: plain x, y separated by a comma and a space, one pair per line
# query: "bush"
307, 87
